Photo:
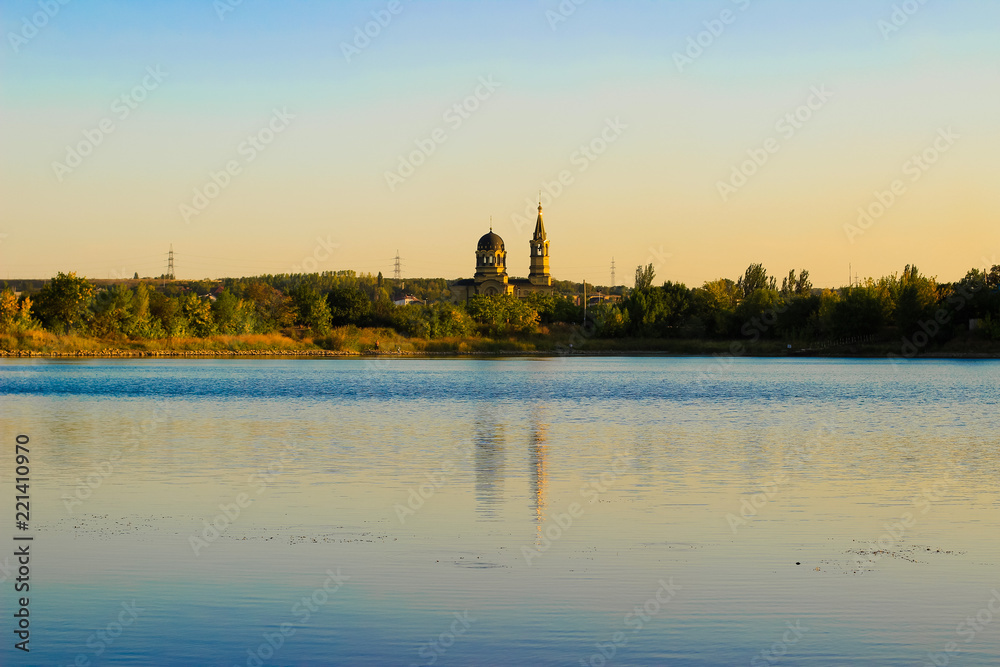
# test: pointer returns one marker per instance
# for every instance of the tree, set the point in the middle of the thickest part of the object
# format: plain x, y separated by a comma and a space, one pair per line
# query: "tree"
916, 300
554, 308
120, 311
758, 313
993, 277
311, 309
714, 303
755, 278
979, 299
658, 311
198, 315
438, 320
611, 321
860, 312
8, 310
644, 277
63, 301
166, 311
721, 294
232, 315
788, 284
803, 285
797, 286
14, 314
112, 310
348, 305
144, 325
502, 314
645, 311
272, 308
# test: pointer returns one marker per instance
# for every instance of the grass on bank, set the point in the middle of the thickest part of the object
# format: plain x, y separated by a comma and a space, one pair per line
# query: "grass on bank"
49, 343
355, 340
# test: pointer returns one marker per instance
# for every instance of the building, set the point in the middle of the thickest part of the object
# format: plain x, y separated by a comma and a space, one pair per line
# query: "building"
491, 268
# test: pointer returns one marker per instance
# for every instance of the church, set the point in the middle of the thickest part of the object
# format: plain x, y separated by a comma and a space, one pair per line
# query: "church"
491, 268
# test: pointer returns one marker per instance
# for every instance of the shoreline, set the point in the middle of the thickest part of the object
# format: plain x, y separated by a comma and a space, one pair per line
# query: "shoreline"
418, 354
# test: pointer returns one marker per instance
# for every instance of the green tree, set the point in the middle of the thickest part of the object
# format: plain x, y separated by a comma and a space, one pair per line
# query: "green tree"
975, 295
63, 302
753, 279
658, 311
758, 313
798, 319
197, 313
120, 311
311, 309
860, 311
166, 311
610, 320
273, 310
714, 304
349, 305
143, 324
993, 277
644, 277
438, 320
824, 321
232, 316
112, 311
803, 286
502, 314
916, 300
554, 308
796, 285
788, 284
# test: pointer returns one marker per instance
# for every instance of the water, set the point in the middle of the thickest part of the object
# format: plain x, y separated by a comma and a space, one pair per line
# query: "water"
506, 512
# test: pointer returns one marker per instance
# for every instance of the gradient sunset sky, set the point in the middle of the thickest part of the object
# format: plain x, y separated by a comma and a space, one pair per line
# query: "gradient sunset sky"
887, 81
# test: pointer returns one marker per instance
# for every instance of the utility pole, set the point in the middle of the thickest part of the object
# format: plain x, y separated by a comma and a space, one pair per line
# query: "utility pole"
612, 272
584, 302
170, 262
397, 273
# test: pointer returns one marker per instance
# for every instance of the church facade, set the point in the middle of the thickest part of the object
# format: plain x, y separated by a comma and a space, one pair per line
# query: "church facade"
491, 268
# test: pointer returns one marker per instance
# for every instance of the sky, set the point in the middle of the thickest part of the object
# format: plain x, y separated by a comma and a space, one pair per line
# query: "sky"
848, 137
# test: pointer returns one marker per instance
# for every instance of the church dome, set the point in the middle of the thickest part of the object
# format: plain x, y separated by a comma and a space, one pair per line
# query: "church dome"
490, 242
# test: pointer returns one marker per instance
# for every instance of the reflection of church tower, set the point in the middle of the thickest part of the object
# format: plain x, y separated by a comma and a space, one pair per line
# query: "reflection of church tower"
489, 462
539, 273
537, 450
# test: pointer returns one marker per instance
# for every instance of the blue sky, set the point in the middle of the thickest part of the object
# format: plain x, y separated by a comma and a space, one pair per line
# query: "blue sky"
652, 195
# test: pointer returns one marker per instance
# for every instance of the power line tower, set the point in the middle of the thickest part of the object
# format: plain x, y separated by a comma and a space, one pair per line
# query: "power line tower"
612, 271
397, 273
170, 263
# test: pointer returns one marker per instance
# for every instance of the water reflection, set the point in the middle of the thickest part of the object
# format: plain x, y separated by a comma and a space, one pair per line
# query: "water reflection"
537, 452
489, 438
695, 463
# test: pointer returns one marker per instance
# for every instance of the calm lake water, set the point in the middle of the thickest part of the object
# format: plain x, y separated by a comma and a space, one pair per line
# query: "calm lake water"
628, 511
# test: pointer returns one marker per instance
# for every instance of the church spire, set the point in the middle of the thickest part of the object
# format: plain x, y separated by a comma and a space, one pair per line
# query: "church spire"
539, 272
539, 226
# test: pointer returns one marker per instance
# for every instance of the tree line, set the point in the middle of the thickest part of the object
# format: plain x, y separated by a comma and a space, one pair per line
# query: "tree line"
753, 306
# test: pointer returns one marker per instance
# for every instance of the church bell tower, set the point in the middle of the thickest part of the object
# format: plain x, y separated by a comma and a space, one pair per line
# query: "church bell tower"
539, 272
